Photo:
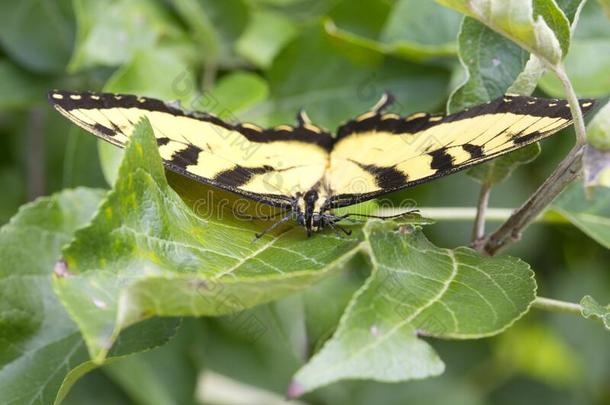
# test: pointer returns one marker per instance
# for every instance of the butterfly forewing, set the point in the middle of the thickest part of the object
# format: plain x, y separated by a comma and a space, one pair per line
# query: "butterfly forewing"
380, 153
267, 164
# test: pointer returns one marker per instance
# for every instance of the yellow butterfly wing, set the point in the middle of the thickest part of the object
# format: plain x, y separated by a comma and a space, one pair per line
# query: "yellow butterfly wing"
378, 153
269, 165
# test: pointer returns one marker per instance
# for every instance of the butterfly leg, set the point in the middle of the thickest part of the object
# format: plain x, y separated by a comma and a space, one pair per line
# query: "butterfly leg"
336, 227
272, 227
259, 217
353, 214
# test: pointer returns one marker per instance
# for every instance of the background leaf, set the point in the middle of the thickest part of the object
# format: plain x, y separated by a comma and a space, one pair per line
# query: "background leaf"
416, 289
590, 213
591, 41
537, 25
592, 308
111, 33
41, 349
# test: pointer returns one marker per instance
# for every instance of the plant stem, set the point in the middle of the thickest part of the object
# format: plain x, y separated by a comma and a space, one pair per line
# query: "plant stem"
579, 121
563, 175
478, 231
510, 231
551, 305
463, 214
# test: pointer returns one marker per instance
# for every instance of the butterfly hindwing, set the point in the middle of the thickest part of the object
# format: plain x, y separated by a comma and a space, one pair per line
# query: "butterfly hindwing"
378, 153
269, 165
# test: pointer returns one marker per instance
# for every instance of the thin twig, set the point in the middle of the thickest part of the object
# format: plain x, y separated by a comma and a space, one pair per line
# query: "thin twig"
552, 305
510, 231
564, 174
478, 231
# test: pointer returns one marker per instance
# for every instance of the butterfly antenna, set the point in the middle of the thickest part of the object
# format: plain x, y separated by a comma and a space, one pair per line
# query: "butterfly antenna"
272, 227
386, 100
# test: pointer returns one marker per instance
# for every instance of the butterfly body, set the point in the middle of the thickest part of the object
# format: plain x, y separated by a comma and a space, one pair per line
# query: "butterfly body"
303, 169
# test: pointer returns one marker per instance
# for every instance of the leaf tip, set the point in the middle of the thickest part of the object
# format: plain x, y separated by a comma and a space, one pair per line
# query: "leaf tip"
295, 390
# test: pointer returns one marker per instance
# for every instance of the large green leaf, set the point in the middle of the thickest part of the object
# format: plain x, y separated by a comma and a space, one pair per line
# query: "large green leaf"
493, 63
146, 253
41, 350
590, 212
539, 26
417, 289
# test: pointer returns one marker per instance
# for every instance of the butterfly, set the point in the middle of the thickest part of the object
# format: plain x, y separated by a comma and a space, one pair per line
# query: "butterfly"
306, 171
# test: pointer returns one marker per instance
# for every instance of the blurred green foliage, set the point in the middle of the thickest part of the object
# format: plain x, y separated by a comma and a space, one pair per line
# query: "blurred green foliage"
262, 60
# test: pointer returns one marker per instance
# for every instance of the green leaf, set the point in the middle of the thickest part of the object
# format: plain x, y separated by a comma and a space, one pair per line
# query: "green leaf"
590, 212
109, 34
413, 30
591, 308
420, 30
37, 35
538, 26
232, 94
41, 350
588, 62
336, 80
164, 376
417, 289
146, 253
266, 34
493, 63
